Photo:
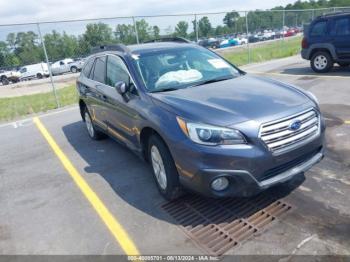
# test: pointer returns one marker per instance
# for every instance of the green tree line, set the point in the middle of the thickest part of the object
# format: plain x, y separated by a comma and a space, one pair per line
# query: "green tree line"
24, 48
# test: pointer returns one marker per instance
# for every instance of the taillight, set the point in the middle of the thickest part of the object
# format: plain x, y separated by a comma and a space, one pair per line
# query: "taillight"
304, 43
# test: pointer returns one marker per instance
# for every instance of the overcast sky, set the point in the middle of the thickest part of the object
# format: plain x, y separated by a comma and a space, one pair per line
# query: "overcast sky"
23, 11
29, 11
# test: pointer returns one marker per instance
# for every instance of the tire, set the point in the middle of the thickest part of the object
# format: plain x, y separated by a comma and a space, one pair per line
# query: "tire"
74, 69
39, 76
90, 127
321, 62
343, 64
160, 158
5, 81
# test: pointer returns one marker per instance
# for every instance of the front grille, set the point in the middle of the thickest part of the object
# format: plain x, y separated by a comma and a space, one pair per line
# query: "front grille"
279, 137
289, 165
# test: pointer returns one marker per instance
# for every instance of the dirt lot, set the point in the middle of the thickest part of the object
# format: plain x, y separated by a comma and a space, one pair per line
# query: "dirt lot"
51, 197
36, 86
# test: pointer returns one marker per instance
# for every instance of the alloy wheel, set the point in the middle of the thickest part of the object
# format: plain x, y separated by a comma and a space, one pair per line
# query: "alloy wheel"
158, 167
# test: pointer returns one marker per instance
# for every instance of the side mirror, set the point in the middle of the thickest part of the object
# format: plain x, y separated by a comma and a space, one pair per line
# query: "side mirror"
122, 87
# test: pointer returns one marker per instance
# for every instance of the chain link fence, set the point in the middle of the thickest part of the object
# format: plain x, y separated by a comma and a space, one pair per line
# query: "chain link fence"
39, 62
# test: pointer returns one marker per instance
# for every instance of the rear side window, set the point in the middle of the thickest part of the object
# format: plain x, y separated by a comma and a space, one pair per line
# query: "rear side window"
87, 68
341, 26
99, 69
319, 29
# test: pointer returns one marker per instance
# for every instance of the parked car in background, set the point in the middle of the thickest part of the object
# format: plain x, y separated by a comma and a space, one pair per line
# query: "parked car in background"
9, 76
253, 39
228, 43
289, 33
241, 40
61, 66
200, 122
39, 71
210, 43
327, 41
76, 65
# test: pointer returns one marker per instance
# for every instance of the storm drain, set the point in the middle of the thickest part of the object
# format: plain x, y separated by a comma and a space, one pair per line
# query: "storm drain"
219, 225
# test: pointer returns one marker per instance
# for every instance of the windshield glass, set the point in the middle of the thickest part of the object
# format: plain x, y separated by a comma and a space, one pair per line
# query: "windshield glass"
181, 68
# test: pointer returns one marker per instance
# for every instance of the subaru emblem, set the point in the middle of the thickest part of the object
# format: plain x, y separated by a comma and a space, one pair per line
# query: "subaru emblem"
295, 125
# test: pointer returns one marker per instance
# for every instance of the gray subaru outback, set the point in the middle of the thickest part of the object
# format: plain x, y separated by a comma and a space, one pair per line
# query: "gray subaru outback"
201, 123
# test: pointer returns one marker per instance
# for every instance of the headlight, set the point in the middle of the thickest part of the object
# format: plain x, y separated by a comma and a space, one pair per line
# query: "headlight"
210, 135
312, 96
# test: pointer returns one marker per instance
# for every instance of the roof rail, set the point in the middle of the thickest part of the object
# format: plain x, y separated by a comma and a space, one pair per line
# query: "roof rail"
169, 39
116, 47
335, 13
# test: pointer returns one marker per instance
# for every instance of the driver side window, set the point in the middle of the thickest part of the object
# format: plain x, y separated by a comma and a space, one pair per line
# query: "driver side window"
117, 71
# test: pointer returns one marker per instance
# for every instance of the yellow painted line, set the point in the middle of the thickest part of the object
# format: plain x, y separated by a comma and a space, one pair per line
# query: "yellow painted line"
295, 75
111, 222
347, 122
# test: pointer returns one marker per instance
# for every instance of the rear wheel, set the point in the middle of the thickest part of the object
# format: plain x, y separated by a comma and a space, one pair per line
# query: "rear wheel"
90, 127
321, 62
164, 169
5, 81
39, 76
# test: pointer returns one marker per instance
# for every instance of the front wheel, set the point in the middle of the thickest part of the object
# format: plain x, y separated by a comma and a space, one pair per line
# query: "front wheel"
74, 69
164, 169
321, 62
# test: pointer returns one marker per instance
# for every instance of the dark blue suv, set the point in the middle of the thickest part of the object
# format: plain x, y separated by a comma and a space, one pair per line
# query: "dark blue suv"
327, 41
202, 123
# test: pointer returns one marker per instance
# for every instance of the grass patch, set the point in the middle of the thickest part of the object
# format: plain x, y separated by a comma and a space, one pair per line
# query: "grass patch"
16, 107
265, 51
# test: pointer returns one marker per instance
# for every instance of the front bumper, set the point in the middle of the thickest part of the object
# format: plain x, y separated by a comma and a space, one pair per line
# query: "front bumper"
250, 169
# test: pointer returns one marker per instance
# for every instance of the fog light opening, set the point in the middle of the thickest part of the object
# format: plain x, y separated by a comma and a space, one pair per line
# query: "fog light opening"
220, 183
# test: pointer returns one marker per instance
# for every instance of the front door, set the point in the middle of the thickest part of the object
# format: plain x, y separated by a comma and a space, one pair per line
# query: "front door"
121, 112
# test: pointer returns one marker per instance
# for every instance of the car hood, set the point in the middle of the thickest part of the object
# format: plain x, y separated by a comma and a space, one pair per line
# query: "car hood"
234, 101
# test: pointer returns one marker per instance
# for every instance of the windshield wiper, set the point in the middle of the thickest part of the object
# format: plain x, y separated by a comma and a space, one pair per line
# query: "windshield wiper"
164, 90
213, 80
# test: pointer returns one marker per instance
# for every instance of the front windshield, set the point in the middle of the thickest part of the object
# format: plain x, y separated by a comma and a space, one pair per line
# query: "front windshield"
181, 68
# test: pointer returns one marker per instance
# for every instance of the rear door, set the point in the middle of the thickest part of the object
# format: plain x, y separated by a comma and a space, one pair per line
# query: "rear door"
340, 32
89, 86
318, 32
98, 77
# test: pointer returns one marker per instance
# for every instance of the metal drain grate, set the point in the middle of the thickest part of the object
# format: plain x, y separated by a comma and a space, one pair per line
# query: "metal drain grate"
218, 225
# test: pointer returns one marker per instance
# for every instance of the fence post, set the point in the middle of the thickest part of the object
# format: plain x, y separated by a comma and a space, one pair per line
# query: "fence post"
196, 27
136, 32
49, 67
246, 24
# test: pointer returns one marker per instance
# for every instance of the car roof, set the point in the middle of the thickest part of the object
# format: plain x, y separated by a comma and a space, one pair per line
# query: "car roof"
158, 46
143, 48
332, 15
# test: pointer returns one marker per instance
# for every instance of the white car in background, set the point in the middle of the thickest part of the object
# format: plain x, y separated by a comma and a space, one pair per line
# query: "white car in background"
241, 40
7, 77
39, 71
61, 66
76, 65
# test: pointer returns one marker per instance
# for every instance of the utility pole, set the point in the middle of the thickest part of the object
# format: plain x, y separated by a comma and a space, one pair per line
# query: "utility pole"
49, 67
246, 24
136, 33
